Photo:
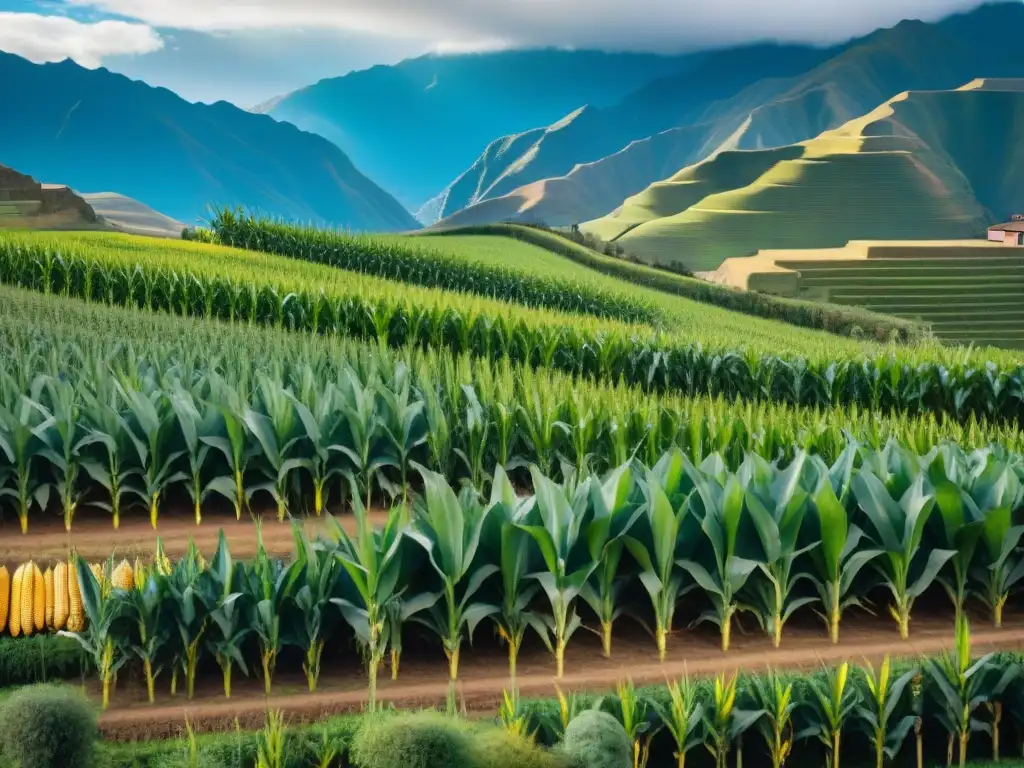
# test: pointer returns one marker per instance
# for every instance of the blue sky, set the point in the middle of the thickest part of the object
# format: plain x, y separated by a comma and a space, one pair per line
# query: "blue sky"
247, 51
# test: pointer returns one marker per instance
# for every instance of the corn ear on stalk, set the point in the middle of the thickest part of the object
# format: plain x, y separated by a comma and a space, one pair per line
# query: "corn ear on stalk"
48, 585
123, 577
160, 560
61, 598
38, 599
141, 574
76, 617
5, 597
28, 599
14, 622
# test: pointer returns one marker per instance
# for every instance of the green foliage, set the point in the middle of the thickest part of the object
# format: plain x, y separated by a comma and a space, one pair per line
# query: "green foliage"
595, 739
834, 318
409, 262
424, 740
39, 659
752, 362
47, 726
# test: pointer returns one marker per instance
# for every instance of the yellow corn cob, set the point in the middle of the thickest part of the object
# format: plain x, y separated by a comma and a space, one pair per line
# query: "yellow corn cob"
76, 618
15, 618
48, 584
61, 603
123, 578
5, 597
97, 571
38, 599
28, 599
161, 561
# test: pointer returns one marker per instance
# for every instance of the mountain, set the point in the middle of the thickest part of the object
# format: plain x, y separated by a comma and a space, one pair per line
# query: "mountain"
590, 133
93, 129
925, 165
128, 215
772, 111
417, 125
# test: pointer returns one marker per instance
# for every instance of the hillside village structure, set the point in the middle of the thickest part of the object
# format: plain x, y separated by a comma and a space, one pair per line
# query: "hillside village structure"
1011, 233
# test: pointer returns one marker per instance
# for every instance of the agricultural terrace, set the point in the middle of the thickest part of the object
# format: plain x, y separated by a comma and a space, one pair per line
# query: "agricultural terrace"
244, 287
452, 486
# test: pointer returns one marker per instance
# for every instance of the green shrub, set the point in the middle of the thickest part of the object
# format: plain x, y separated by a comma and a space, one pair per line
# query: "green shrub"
47, 726
595, 739
423, 740
496, 748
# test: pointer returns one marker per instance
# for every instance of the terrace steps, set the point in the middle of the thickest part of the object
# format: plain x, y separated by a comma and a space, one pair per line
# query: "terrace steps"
969, 291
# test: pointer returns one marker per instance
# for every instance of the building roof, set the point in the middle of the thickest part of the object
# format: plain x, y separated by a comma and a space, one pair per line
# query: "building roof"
1010, 226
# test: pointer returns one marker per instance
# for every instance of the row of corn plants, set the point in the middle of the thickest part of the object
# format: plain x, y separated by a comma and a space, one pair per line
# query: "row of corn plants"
90, 420
761, 542
417, 263
834, 318
912, 381
885, 713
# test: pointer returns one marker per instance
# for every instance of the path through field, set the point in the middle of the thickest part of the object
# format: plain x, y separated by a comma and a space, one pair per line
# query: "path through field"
483, 673
94, 537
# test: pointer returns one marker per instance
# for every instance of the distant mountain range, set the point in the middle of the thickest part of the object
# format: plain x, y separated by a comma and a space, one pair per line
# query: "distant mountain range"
926, 165
415, 126
92, 129
555, 136
542, 176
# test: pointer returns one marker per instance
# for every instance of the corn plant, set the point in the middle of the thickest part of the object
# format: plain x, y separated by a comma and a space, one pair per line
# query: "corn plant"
724, 722
146, 606
636, 718
559, 526
963, 684
270, 742
308, 622
878, 702
962, 523
682, 717
277, 432
509, 545
113, 471
99, 639
321, 421
449, 528
660, 540
998, 494
720, 510
22, 447
899, 528
834, 701
229, 615
613, 514
841, 556
372, 560
777, 504
775, 698
64, 438
151, 425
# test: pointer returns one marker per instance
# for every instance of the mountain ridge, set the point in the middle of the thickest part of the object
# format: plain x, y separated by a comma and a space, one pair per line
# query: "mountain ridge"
200, 154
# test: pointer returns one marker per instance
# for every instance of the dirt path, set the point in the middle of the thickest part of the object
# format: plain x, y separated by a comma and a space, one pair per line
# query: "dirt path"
483, 673
95, 538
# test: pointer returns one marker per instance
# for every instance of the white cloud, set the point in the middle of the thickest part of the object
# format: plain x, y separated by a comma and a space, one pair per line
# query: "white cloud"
662, 25
55, 38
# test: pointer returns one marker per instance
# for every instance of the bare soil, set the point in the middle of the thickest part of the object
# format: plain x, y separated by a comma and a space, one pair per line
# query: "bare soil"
93, 536
483, 674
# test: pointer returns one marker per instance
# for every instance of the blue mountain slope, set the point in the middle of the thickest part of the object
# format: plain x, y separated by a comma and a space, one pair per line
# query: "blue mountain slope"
95, 130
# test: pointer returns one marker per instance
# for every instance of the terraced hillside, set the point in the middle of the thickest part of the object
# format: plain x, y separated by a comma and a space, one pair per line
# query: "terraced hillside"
924, 165
967, 293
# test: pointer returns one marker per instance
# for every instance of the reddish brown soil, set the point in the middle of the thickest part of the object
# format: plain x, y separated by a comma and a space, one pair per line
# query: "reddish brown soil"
94, 537
483, 673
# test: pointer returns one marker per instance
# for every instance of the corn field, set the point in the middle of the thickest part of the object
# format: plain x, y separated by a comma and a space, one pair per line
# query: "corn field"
899, 380
125, 412
761, 541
